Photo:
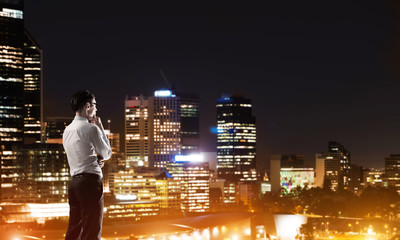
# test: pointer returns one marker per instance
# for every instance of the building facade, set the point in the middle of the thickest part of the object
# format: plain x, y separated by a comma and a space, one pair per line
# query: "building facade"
190, 123
392, 171
37, 173
236, 142
153, 129
194, 178
20, 85
12, 38
294, 178
33, 109
137, 132
333, 169
165, 138
374, 178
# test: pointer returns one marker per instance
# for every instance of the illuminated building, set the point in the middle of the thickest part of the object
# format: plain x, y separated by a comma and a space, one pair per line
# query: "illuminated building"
54, 128
168, 194
338, 151
112, 165
356, 176
135, 210
137, 132
373, 178
33, 109
36, 173
148, 186
292, 178
133, 190
194, 177
153, 129
288, 173
333, 169
165, 140
190, 126
33, 212
135, 185
265, 187
20, 78
278, 162
392, 171
236, 142
11, 72
20, 83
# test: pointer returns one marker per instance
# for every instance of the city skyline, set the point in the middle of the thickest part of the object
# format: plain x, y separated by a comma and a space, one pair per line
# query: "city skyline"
315, 72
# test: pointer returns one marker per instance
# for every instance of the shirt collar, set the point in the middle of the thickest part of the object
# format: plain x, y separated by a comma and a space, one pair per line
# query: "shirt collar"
81, 118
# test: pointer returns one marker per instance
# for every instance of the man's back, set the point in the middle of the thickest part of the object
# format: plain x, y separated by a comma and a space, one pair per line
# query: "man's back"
82, 141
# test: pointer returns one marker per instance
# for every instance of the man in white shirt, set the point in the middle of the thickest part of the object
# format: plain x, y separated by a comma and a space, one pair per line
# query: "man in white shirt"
86, 146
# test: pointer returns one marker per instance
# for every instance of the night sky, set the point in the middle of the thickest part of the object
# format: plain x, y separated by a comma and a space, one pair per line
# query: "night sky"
314, 70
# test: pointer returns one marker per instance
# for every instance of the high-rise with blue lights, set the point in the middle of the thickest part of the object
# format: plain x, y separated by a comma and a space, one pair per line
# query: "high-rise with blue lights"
236, 142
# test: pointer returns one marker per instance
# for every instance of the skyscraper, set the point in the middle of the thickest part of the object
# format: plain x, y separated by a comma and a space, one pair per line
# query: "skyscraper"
137, 132
152, 129
11, 72
236, 138
339, 152
236, 141
33, 109
20, 86
190, 125
165, 138
335, 166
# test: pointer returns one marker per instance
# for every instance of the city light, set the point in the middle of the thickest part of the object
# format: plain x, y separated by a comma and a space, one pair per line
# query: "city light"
189, 158
49, 210
126, 197
163, 93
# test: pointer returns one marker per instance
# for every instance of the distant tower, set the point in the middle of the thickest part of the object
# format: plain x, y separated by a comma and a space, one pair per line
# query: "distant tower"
33, 109
340, 154
152, 129
20, 89
12, 38
190, 122
137, 132
333, 169
236, 141
165, 138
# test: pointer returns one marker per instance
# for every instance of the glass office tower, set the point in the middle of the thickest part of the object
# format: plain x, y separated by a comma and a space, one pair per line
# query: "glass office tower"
11, 73
236, 143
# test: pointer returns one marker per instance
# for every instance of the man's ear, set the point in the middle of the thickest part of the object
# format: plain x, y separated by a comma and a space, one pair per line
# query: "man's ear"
87, 105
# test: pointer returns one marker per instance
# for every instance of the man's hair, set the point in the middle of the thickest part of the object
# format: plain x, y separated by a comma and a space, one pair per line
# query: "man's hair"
80, 98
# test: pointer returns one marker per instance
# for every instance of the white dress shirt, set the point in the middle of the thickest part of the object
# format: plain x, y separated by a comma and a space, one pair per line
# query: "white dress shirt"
82, 142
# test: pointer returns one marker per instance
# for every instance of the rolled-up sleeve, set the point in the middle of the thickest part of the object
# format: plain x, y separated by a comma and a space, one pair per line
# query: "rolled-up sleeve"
100, 142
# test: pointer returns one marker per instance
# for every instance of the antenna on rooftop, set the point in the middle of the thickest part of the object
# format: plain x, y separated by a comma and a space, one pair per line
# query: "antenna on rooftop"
170, 87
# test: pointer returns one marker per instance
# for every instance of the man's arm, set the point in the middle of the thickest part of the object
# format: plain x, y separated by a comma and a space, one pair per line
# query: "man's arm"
100, 142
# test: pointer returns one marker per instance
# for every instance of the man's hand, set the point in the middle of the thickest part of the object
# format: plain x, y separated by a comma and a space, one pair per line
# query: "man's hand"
96, 120
100, 161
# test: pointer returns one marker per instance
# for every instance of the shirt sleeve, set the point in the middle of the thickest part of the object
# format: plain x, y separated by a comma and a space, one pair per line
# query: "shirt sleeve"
100, 142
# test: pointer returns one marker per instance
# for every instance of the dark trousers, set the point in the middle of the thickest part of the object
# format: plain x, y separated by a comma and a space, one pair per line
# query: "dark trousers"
85, 195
